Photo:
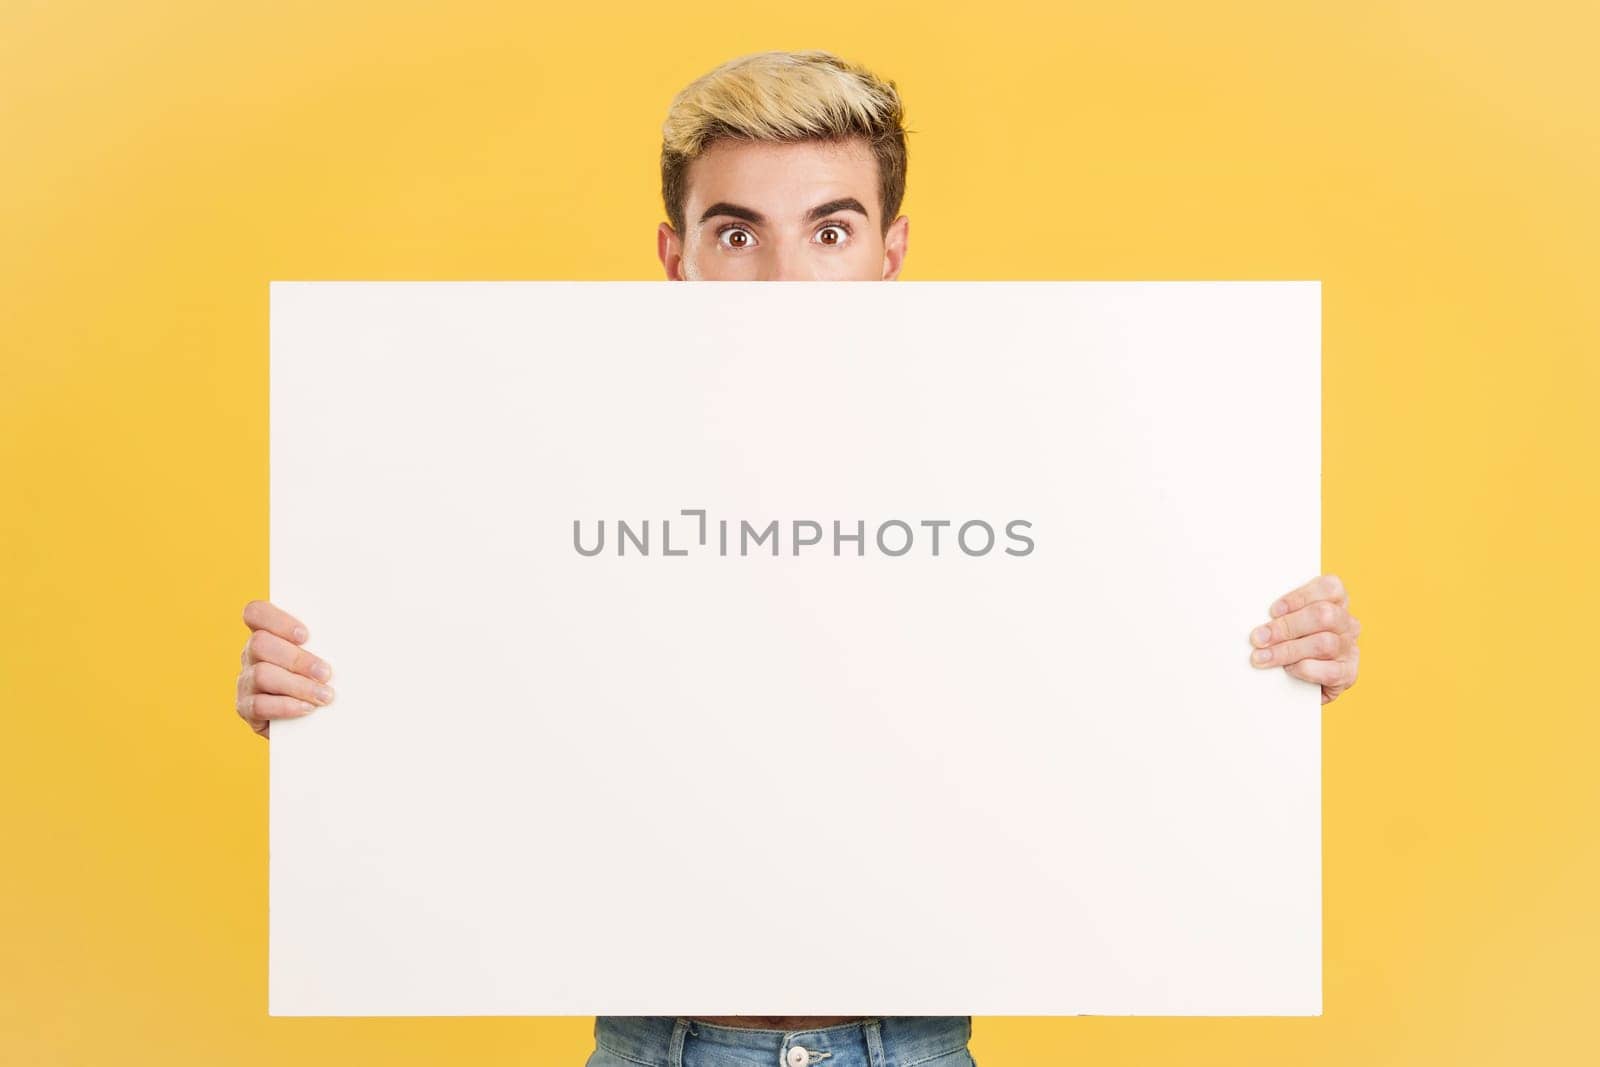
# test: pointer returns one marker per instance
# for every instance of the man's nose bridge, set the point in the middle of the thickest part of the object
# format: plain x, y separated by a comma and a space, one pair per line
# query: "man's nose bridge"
788, 264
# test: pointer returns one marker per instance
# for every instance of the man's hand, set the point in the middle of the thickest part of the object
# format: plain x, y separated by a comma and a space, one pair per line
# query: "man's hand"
277, 678
1312, 635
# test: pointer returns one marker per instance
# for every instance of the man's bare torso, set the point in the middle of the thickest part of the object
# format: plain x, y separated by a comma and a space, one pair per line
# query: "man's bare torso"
778, 1022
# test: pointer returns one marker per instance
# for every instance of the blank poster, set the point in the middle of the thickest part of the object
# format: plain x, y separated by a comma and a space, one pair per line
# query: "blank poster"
795, 648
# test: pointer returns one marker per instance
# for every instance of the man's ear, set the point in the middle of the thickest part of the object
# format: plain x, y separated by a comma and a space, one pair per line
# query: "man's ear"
670, 250
896, 243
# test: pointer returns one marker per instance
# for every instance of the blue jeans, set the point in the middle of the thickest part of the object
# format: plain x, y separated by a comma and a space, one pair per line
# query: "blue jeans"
891, 1041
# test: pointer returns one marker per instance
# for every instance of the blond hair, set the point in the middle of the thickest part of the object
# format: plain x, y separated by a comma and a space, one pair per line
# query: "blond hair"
784, 97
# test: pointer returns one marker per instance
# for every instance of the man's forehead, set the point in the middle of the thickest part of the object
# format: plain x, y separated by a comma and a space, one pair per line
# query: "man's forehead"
781, 180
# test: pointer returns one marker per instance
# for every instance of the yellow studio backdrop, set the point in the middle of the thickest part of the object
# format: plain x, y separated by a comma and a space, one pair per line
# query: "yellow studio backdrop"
1436, 166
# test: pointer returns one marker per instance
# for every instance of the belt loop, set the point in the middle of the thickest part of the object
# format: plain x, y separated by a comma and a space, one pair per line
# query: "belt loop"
680, 1029
875, 1056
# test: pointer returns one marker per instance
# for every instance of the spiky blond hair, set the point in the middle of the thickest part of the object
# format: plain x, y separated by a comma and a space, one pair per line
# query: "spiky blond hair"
785, 97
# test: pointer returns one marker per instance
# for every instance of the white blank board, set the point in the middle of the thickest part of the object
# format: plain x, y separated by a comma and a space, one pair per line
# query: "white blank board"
885, 783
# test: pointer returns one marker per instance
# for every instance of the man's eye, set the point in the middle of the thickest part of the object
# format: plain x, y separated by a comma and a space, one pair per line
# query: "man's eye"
841, 234
727, 234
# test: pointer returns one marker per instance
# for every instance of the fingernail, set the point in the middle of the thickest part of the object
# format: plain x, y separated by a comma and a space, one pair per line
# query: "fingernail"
305, 707
1261, 635
323, 694
1261, 655
1279, 607
300, 634
321, 672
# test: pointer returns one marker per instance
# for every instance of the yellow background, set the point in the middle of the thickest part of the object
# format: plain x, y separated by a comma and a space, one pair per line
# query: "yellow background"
1435, 165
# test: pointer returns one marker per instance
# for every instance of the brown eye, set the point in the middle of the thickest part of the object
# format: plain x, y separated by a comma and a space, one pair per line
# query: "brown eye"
727, 237
839, 230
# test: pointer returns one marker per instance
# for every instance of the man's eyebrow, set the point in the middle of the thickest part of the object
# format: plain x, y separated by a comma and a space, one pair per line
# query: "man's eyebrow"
844, 203
722, 207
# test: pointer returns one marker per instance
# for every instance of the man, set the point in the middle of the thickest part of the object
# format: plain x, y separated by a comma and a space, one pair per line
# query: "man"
788, 166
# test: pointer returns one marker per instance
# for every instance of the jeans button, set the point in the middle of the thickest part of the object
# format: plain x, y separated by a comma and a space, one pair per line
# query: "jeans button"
797, 1056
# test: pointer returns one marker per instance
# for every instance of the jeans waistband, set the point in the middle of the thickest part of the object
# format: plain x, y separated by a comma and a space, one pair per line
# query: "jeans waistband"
887, 1041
